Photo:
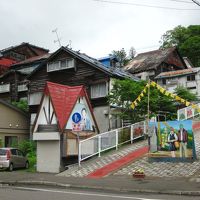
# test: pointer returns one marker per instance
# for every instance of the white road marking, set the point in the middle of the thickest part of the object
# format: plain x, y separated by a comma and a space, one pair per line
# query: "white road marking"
85, 194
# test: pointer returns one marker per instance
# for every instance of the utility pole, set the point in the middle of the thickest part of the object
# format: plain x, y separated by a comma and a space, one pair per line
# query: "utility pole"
58, 39
196, 2
148, 105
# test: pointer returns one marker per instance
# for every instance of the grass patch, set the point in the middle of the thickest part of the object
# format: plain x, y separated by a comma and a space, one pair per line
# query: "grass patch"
32, 163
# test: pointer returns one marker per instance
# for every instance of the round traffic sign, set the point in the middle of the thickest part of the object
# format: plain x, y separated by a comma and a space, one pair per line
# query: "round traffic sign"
76, 117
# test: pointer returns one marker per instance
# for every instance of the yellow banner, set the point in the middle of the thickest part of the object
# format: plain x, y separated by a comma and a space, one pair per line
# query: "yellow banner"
187, 103
163, 91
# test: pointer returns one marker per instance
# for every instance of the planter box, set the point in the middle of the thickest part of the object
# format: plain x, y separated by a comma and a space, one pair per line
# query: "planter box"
138, 175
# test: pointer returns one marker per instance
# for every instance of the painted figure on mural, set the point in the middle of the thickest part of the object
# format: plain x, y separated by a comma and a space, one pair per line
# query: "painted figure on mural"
172, 138
86, 125
152, 138
183, 139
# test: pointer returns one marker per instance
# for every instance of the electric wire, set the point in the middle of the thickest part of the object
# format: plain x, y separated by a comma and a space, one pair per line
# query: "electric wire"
145, 5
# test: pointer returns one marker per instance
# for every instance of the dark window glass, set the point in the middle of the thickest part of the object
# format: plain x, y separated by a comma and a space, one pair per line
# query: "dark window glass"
2, 152
164, 81
19, 153
14, 152
191, 77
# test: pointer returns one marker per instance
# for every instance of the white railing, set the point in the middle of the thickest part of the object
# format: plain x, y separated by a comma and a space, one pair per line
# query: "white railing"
4, 88
22, 87
112, 139
187, 113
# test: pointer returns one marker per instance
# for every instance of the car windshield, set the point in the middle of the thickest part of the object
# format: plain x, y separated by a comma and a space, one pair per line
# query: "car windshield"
2, 152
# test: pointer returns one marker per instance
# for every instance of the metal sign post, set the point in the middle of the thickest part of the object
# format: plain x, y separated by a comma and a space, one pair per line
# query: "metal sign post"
76, 126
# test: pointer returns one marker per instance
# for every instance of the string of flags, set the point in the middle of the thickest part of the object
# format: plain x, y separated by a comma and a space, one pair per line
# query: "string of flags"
163, 91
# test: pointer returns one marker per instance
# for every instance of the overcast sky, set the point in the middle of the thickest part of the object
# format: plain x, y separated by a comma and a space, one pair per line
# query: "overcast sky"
93, 27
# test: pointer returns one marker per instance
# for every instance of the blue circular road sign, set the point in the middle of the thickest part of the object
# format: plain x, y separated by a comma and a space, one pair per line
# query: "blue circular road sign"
76, 118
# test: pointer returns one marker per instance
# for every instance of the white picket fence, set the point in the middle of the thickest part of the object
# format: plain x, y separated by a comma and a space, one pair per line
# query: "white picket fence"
112, 139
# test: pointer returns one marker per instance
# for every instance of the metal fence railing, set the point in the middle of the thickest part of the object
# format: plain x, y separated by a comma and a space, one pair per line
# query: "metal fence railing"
112, 139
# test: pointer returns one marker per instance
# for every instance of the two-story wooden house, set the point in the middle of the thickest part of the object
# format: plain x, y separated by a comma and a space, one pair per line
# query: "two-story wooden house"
150, 64
13, 83
23, 51
73, 68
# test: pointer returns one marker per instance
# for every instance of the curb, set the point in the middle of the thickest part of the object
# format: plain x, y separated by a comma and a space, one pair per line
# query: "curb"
108, 189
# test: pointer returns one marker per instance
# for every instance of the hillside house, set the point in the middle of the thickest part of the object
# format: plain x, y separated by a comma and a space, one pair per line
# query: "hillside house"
72, 68
23, 51
152, 63
188, 78
13, 83
14, 124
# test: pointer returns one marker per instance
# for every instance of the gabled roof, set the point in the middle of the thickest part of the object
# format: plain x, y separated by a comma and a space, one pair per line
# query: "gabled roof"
63, 99
113, 72
177, 73
150, 60
10, 72
22, 44
32, 59
6, 62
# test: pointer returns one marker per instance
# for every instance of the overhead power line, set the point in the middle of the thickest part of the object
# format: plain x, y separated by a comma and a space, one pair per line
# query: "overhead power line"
181, 1
196, 2
144, 5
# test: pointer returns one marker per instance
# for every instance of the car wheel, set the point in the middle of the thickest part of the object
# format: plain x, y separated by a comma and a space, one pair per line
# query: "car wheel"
27, 165
11, 167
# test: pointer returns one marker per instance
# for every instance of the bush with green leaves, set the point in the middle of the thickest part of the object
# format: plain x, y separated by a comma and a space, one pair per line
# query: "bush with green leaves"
22, 104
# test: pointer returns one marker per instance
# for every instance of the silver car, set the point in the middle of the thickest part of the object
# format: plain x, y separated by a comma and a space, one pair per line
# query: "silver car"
11, 158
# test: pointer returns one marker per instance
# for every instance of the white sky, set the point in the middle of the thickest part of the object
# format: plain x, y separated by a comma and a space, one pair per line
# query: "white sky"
94, 27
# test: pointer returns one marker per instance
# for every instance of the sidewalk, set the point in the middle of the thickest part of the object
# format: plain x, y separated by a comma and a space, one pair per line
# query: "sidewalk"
178, 186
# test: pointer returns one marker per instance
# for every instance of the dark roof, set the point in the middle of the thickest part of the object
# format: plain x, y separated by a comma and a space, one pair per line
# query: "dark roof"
12, 71
177, 73
114, 72
6, 62
149, 60
22, 44
32, 59
13, 107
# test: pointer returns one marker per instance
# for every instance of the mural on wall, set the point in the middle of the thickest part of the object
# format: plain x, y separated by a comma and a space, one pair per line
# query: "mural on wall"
80, 119
171, 139
188, 112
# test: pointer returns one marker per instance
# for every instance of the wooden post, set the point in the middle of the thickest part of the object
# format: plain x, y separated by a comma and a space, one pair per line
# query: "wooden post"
148, 102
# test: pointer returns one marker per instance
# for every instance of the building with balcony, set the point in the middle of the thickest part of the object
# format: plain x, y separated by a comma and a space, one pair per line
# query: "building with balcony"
188, 78
13, 83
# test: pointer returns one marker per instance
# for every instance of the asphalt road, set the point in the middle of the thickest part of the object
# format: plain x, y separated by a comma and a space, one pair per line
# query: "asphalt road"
24, 193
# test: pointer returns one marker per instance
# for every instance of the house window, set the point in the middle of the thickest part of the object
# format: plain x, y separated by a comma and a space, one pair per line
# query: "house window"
4, 88
191, 77
61, 64
192, 88
11, 141
22, 87
164, 81
99, 90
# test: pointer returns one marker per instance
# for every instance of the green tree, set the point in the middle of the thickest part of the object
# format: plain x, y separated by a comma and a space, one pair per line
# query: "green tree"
185, 94
124, 92
121, 56
187, 40
132, 52
22, 104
